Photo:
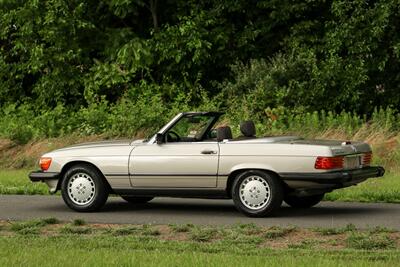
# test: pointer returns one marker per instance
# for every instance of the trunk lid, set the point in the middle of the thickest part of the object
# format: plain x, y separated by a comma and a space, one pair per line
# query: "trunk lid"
338, 147
353, 152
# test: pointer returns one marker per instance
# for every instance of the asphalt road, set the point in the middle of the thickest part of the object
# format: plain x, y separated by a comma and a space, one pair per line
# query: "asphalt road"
200, 211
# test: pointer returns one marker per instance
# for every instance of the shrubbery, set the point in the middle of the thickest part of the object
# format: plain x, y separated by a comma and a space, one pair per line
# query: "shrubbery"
124, 68
144, 116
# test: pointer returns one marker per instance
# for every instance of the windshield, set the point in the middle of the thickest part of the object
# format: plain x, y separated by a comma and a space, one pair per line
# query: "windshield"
189, 128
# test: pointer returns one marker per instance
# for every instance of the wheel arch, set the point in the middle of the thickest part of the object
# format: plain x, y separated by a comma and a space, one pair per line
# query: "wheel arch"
70, 164
232, 176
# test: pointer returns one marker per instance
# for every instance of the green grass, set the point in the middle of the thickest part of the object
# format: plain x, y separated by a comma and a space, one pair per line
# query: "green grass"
304, 244
17, 182
18, 226
201, 234
340, 230
68, 229
384, 189
181, 228
40, 243
248, 229
75, 250
276, 232
32, 227
149, 231
78, 222
370, 241
128, 230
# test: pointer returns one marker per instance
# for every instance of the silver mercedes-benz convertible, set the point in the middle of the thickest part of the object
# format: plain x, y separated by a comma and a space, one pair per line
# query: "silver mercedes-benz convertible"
195, 155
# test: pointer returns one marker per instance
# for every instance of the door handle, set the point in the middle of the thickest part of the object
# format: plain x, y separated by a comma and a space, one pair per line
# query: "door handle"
207, 151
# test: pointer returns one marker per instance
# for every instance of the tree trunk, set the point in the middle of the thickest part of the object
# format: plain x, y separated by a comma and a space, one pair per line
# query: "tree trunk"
153, 10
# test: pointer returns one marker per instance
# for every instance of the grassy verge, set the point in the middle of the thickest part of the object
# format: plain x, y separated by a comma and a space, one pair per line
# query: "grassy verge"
17, 182
386, 189
78, 243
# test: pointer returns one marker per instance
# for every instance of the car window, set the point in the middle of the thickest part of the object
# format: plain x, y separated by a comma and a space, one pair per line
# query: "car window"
189, 129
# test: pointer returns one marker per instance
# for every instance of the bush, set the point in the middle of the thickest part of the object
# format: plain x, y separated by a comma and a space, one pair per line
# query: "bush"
20, 134
143, 115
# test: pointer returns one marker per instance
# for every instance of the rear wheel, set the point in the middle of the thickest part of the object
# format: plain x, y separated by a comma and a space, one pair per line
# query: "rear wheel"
303, 202
136, 200
257, 193
84, 188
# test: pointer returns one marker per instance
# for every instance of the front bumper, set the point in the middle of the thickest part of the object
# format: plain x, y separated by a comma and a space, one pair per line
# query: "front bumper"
335, 177
50, 178
41, 176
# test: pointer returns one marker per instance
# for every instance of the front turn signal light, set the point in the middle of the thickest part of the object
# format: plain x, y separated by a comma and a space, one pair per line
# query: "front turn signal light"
45, 163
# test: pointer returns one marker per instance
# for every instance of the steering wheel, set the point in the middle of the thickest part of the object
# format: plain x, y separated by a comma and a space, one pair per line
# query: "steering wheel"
173, 137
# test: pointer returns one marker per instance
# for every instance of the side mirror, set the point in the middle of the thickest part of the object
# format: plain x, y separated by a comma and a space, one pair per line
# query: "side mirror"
159, 138
213, 133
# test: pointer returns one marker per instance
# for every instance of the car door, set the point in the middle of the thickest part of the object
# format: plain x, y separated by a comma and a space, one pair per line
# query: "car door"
175, 165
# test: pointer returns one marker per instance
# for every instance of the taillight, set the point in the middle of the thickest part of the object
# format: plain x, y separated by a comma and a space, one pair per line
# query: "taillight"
328, 163
45, 163
367, 159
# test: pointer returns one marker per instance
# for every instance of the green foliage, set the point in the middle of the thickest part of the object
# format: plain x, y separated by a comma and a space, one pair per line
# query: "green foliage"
95, 67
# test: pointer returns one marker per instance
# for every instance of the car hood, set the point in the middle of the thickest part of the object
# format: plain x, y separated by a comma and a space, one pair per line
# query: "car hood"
108, 143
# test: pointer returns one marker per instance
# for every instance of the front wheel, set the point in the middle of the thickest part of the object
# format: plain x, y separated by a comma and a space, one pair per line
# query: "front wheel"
257, 193
303, 202
84, 188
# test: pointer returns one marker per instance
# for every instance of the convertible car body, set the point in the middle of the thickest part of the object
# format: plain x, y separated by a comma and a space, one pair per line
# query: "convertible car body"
195, 155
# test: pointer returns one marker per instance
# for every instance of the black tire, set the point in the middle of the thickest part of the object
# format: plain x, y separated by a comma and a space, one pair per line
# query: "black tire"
136, 200
275, 193
99, 194
303, 202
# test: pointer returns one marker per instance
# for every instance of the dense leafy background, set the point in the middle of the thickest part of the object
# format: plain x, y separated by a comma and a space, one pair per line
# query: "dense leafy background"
99, 66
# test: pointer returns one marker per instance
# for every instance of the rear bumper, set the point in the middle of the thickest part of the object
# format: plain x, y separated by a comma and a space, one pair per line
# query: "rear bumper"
41, 176
335, 177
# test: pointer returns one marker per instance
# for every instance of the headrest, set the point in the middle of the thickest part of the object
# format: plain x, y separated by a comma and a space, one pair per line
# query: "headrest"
224, 133
248, 128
